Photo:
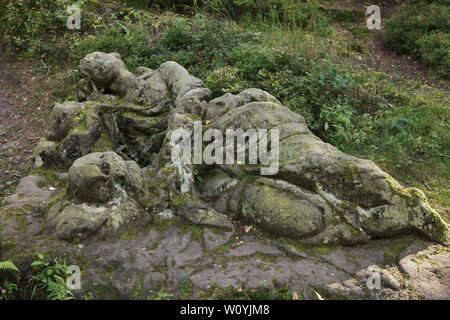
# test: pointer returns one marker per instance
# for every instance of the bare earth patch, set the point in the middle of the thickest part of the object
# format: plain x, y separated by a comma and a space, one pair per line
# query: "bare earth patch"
26, 96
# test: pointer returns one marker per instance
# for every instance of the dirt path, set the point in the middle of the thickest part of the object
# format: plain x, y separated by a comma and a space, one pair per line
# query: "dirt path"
381, 58
26, 94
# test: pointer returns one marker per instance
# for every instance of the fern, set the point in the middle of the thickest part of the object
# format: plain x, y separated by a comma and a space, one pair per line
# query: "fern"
8, 266
50, 277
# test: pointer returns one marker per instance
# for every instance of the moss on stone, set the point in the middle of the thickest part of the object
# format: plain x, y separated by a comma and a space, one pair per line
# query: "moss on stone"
391, 252
180, 200
53, 201
104, 143
164, 224
49, 174
187, 289
112, 268
129, 235
411, 194
137, 294
196, 233
350, 172
265, 257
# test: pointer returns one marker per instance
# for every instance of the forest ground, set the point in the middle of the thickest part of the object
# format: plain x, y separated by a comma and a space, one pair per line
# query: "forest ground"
29, 87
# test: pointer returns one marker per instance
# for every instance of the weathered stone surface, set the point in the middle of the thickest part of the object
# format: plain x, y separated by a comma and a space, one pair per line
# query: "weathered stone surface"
108, 74
215, 183
44, 155
276, 211
362, 199
70, 221
63, 118
23, 212
318, 194
318, 199
104, 192
102, 177
219, 106
213, 239
32, 193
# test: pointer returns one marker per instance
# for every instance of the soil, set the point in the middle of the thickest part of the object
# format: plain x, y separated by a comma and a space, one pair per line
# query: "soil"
381, 58
26, 96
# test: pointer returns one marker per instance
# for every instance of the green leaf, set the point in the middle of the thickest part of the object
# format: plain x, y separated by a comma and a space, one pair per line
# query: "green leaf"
8, 266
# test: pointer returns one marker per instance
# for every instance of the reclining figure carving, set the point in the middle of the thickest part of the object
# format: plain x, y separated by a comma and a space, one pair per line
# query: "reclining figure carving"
117, 139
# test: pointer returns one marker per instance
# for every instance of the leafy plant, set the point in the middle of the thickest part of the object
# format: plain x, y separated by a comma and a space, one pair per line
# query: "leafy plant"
335, 123
52, 278
422, 30
9, 275
8, 266
160, 295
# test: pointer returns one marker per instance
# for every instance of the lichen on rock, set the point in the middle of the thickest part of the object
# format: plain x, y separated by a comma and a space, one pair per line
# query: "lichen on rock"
104, 193
319, 194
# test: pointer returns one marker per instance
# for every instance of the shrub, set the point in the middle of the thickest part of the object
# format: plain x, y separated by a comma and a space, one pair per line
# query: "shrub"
39, 27
52, 278
223, 80
336, 124
201, 45
421, 29
296, 14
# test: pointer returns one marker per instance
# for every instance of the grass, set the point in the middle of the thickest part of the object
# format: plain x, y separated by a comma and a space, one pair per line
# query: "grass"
422, 29
293, 50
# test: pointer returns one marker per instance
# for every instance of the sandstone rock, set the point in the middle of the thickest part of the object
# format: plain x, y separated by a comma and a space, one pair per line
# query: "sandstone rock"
22, 215
276, 211
319, 197
319, 194
44, 154
215, 183
104, 191
362, 199
101, 177
228, 101
108, 74
63, 118
70, 221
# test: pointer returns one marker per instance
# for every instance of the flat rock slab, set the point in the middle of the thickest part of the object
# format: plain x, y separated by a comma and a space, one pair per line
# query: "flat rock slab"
178, 262
23, 212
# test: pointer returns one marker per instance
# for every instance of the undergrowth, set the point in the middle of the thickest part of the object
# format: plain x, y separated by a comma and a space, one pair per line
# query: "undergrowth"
286, 47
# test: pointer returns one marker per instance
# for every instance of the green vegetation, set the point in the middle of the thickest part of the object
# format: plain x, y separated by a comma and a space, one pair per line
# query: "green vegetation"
264, 293
301, 52
391, 253
9, 275
422, 29
50, 277
160, 295
187, 288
